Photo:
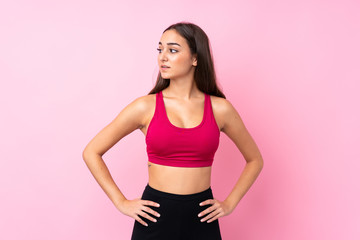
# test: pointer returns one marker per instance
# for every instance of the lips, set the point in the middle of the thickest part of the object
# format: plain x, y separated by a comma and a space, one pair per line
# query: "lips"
164, 66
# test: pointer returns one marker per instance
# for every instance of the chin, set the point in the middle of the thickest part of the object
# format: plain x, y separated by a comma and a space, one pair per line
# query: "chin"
165, 76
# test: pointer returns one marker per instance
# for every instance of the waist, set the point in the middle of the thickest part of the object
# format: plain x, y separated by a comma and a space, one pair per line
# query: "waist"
179, 180
175, 196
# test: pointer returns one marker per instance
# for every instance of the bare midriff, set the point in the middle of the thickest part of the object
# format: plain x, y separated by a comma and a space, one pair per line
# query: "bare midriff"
179, 180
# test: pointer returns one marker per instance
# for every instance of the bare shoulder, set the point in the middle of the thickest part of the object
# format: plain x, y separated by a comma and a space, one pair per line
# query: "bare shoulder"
223, 110
145, 106
142, 103
233, 126
130, 118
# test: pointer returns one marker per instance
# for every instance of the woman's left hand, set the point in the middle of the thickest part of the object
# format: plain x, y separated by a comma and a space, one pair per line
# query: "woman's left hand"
218, 209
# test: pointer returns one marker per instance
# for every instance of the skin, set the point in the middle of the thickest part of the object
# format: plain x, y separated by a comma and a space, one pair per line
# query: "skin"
184, 104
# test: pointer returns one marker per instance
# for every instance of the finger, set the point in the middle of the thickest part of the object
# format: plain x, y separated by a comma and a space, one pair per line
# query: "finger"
206, 211
207, 202
150, 203
149, 210
210, 216
215, 217
140, 221
145, 215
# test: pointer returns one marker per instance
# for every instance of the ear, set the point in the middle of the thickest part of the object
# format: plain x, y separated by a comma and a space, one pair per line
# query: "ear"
194, 60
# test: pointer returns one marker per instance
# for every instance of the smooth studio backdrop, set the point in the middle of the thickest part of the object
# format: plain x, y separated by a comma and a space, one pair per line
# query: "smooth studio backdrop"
290, 68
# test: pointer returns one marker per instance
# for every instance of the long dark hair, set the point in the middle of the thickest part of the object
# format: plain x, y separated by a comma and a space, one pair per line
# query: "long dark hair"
204, 75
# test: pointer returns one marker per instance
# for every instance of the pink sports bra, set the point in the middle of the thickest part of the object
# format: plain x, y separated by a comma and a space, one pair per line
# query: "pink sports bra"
167, 144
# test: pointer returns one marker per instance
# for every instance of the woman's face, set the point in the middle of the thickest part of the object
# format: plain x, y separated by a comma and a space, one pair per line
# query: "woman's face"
175, 59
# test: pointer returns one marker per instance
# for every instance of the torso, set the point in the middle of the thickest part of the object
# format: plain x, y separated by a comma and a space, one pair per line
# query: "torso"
180, 180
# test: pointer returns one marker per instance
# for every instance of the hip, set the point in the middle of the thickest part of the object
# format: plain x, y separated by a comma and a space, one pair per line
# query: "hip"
178, 217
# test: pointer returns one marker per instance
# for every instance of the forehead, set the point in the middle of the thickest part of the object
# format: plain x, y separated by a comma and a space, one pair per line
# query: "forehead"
172, 36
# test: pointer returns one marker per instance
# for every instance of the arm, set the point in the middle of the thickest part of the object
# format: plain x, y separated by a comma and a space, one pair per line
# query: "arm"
235, 129
129, 119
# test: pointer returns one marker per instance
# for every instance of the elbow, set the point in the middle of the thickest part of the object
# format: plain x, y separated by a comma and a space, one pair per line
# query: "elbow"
261, 163
86, 154
258, 161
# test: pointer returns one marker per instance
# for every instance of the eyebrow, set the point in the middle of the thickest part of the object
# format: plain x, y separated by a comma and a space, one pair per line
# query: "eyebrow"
171, 43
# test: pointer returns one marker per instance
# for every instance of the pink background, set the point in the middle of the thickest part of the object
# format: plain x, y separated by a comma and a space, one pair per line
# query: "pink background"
291, 69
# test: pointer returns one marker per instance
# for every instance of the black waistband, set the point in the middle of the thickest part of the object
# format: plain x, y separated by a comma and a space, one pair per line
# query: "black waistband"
154, 191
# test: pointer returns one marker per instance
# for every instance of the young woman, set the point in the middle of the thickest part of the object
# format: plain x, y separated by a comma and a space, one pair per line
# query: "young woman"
181, 118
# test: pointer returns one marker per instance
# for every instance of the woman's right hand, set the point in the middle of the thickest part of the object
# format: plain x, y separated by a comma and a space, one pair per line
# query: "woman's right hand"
138, 207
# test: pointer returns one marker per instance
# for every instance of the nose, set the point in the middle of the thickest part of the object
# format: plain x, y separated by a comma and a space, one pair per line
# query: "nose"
162, 56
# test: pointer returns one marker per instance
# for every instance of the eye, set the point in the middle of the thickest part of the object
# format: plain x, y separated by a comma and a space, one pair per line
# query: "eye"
171, 50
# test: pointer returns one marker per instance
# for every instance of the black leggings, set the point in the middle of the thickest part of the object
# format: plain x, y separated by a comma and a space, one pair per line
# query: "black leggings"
178, 217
